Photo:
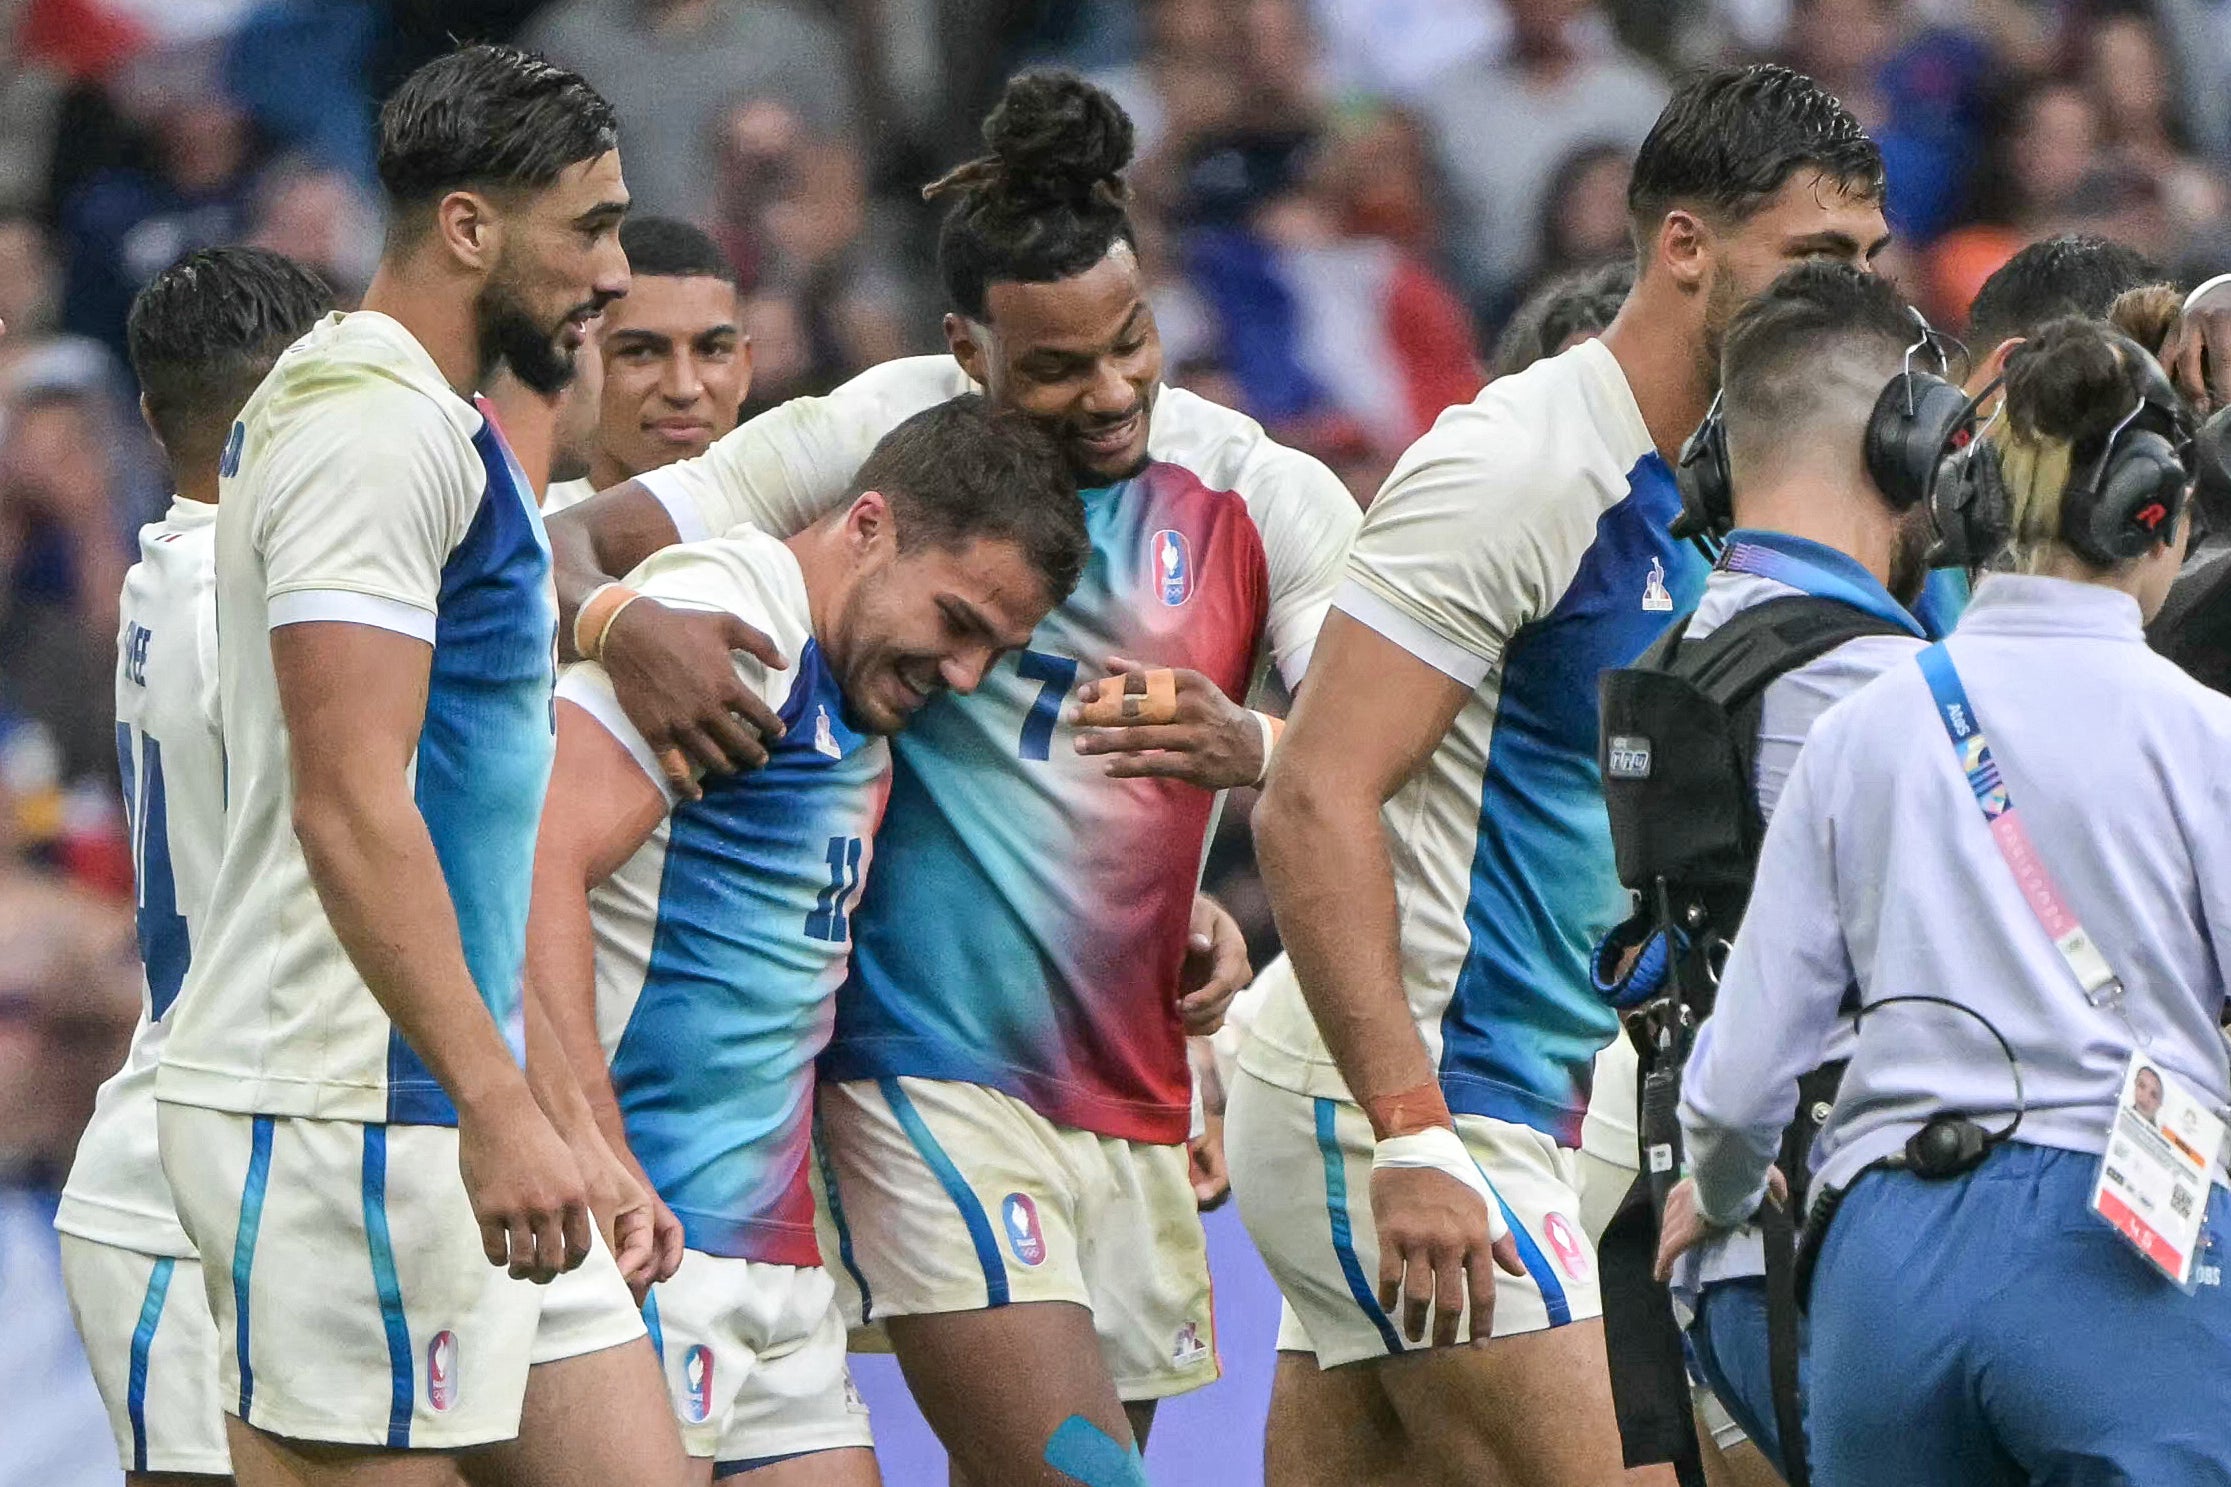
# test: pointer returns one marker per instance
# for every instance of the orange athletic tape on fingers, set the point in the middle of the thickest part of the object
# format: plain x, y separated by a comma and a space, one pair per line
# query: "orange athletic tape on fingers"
1132, 700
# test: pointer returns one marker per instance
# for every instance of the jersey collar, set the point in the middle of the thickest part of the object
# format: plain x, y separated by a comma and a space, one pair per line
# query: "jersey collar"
1815, 568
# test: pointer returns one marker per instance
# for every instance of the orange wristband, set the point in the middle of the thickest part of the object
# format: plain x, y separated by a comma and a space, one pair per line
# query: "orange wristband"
594, 618
1133, 698
1407, 1112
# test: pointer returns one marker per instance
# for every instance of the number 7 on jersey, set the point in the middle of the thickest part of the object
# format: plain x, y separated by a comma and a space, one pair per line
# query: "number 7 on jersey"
1059, 674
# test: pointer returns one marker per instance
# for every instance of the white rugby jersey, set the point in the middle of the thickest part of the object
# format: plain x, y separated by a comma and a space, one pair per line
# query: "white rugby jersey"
1028, 924
172, 759
359, 488
1520, 547
720, 944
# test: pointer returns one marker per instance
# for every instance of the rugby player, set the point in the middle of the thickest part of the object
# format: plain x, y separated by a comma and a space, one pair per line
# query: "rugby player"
1434, 841
343, 1119
696, 944
676, 363
1006, 1098
202, 333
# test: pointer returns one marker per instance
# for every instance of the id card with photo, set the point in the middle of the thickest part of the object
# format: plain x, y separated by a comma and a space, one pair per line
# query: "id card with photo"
2161, 1153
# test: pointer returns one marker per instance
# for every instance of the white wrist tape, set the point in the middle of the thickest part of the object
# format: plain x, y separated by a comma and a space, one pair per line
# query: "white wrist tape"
1442, 1150
1270, 741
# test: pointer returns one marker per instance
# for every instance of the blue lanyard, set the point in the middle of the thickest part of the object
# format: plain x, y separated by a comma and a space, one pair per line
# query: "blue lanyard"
1761, 561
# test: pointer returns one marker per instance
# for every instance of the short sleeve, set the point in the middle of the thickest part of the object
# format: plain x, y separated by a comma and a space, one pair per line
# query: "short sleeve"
1308, 521
726, 574
362, 499
790, 466
1476, 533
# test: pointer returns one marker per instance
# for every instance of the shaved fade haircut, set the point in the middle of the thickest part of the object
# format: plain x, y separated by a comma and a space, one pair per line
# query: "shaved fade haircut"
1805, 361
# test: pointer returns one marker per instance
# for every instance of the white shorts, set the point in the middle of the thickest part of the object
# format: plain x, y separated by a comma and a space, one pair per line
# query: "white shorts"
754, 1359
352, 1301
952, 1197
148, 1334
1301, 1172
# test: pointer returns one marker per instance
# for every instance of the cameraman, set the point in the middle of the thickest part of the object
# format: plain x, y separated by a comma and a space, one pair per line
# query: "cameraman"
1973, 1319
1803, 369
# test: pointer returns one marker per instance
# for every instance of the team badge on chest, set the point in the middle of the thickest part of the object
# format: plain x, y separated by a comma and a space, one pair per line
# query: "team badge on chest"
1173, 567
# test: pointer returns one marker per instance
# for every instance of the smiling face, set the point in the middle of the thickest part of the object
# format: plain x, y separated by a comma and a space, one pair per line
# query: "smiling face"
676, 368
1078, 356
558, 266
917, 621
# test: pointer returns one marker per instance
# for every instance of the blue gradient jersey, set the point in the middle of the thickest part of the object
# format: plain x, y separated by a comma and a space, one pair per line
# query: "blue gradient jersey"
1520, 548
359, 489
1029, 916
721, 942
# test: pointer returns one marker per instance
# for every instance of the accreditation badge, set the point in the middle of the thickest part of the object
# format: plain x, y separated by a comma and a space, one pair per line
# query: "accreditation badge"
2161, 1153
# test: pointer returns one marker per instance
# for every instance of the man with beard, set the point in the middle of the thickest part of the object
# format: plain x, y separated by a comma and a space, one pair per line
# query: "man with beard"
1004, 1104
1434, 841
342, 1114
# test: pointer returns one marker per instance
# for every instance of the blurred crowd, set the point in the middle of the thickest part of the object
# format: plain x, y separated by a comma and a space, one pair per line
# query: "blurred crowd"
1343, 203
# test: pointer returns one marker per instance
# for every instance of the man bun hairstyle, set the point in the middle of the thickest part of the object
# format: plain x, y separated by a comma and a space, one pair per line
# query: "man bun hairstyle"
1049, 200
669, 248
487, 118
205, 330
961, 470
1729, 139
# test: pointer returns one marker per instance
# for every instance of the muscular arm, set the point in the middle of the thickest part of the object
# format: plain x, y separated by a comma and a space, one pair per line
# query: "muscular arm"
1371, 714
602, 807
354, 697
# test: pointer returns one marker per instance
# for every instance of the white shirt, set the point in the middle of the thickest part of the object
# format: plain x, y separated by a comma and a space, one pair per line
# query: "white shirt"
1879, 871
1519, 548
172, 758
359, 488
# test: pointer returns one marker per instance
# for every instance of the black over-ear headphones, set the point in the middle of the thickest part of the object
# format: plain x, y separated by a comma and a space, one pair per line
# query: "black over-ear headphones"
1904, 438
1707, 490
2118, 505
1910, 422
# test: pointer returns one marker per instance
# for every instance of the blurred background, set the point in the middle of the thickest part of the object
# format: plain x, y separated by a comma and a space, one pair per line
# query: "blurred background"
1342, 203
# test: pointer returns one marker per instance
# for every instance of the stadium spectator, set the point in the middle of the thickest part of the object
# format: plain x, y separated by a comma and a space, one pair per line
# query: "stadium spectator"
673, 67
1584, 213
124, 224
1500, 130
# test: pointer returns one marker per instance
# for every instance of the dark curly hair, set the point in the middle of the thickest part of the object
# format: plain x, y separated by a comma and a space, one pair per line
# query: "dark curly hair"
1048, 202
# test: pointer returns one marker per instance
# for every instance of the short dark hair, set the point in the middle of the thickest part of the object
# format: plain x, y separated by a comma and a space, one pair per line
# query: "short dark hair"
1729, 139
961, 471
2073, 274
669, 248
491, 118
1048, 202
203, 333
1582, 302
1787, 352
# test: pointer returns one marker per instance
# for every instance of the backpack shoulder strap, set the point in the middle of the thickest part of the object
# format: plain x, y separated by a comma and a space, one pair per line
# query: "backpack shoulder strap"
1738, 661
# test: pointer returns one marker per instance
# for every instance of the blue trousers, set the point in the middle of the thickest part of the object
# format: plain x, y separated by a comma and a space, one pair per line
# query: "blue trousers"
1728, 1342
1990, 1330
